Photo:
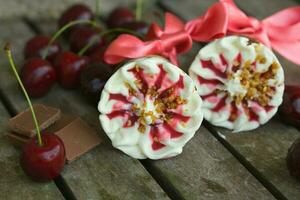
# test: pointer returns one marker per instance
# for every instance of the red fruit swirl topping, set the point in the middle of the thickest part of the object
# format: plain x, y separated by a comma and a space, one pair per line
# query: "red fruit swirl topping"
238, 83
153, 105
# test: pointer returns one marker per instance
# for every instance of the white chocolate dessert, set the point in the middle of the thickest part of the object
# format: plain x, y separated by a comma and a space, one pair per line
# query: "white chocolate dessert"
150, 109
241, 83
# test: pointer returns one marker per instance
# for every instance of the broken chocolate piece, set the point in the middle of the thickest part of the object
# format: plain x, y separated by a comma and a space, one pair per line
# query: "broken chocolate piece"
78, 138
64, 120
24, 125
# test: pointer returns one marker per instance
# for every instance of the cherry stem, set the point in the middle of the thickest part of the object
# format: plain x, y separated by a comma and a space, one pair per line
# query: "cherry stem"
63, 29
138, 10
107, 32
13, 66
97, 9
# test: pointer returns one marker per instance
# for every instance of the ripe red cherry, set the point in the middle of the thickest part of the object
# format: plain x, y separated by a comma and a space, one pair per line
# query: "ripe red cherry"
92, 80
290, 108
69, 66
139, 27
119, 16
293, 159
36, 46
43, 163
81, 36
38, 76
75, 12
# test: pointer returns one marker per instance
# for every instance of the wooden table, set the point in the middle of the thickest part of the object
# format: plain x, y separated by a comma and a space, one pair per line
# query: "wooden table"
215, 164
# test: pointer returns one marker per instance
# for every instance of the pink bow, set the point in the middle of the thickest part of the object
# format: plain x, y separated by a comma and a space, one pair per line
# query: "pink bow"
280, 31
169, 42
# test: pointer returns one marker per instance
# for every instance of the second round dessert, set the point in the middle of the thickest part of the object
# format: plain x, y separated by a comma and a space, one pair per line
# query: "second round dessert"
240, 81
150, 108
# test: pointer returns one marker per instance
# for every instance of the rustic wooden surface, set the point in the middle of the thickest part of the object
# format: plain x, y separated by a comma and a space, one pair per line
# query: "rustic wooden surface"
205, 169
266, 147
14, 184
235, 173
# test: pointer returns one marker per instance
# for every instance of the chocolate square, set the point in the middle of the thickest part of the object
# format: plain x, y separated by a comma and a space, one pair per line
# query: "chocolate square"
19, 139
23, 123
78, 138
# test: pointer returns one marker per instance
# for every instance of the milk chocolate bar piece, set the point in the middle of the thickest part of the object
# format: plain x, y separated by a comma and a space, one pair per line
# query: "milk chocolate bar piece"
78, 138
19, 139
23, 123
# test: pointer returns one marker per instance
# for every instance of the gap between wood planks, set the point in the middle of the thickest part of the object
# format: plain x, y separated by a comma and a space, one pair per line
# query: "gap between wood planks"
60, 182
261, 178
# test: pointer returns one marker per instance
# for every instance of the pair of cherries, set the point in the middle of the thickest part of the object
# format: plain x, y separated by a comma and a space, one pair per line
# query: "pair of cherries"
39, 74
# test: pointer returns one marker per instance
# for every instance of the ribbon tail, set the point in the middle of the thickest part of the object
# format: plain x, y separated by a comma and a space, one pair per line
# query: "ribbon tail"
289, 50
173, 57
129, 47
213, 24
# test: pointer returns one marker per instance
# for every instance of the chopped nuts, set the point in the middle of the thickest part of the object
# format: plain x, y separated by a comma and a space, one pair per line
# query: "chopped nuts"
163, 103
256, 83
261, 59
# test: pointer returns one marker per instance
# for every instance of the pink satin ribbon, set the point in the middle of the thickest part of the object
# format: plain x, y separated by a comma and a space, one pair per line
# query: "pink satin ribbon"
280, 31
173, 40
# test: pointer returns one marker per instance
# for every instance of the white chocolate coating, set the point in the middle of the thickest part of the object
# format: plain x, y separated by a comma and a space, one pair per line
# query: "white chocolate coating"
225, 71
150, 109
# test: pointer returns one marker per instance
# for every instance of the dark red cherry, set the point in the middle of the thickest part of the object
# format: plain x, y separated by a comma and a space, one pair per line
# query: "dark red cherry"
81, 36
36, 47
96, 56
69, 66
92, 80
293, 159
139, 27
75, 12
119, 16
43, 163
38, 76
290, 108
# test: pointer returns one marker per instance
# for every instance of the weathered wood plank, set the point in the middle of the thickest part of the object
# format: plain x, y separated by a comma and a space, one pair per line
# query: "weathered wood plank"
266, 147
206, 170
102, 173
14, 184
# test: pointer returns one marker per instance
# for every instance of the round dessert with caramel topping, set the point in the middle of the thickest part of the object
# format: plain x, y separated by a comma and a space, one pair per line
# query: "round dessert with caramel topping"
240, 81
150, 108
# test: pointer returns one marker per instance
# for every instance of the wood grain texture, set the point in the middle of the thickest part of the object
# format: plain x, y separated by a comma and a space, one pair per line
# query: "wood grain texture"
206, 170
266, 147
103, 173
14, 184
